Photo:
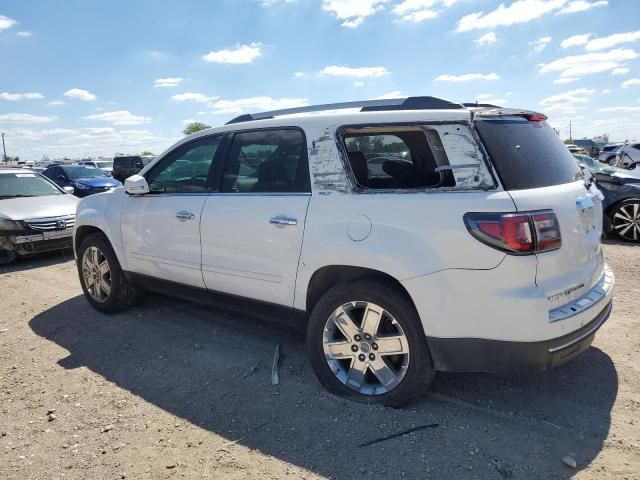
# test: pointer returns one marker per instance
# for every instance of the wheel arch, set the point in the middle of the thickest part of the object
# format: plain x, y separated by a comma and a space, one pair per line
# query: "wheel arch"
328, 276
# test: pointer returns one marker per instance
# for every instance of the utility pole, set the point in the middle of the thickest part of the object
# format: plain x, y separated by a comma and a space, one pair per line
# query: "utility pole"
4, 149
570, 136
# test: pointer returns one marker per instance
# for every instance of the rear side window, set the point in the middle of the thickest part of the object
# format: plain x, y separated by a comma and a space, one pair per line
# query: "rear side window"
527, 154
267, 161
398, 158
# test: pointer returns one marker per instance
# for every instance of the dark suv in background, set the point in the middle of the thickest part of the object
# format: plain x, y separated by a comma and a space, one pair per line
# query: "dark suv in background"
589, 145
124, 167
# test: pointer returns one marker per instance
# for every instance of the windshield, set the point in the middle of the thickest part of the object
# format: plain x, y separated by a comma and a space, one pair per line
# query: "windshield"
527, 154
13, 185
83, 172
105, 164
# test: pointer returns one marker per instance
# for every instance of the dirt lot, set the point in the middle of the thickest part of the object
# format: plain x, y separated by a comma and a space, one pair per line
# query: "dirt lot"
176, 390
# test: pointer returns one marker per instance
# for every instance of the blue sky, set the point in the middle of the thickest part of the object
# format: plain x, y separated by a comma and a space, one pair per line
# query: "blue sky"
85, 78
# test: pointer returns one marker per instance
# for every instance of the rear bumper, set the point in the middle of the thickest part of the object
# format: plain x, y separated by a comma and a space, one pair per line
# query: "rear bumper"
482, 355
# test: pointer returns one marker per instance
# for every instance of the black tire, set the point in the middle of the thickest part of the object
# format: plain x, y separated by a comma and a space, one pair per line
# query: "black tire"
7, 256
123, 294
420, 371
628, 235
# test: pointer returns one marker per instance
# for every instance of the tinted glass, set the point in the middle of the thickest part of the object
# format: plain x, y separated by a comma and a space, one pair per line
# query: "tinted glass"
187, 170
26, 184
83, 172
270, 161
527, 154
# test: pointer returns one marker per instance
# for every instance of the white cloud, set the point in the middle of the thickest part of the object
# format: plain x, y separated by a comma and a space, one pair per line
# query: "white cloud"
620, 71
606, 91
588, 63
187, 121
167, 82
567, 101
566, 79
55, 103
193, 97
575, 40
394, 94
603, 43
618, 109
238, 55
271, 3
467, 77
417, 11
25, 118
256, 104
24, 33
486, 39
298, 74
358, 84
353, 12
521, 11
80, 94
21, 96
6, 22
540, 44
582, 5
119, 117
630, 82
359, 72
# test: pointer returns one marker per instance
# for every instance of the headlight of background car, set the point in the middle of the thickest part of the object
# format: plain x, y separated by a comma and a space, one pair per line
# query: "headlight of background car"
81, 186
6, 224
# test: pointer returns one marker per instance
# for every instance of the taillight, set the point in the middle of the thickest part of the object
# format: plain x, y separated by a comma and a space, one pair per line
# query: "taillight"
516, 233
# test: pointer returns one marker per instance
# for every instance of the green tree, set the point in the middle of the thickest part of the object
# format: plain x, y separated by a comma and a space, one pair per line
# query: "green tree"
148, 153
194, 127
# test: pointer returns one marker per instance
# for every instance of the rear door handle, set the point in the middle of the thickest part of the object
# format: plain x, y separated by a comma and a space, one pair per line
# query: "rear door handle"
183, 215
283, 220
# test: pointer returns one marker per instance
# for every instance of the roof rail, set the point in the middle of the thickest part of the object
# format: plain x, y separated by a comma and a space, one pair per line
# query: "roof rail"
480, 105
387, 104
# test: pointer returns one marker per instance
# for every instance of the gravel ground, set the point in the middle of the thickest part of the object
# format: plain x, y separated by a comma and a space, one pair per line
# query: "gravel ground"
172, 389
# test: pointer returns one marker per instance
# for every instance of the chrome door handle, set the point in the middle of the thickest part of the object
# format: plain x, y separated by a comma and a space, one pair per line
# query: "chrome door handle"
282, 220
183, 215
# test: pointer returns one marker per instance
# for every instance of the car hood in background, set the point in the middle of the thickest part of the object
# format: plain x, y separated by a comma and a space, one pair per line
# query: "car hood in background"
635, 173
38, 207
98, 182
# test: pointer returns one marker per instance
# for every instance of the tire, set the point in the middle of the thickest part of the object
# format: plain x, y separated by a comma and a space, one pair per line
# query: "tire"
7, 256
413, 372
121, 293
625, 220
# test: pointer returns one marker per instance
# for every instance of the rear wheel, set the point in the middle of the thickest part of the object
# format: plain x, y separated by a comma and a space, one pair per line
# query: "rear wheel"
625, 220
6, 256
366, 343
103, 282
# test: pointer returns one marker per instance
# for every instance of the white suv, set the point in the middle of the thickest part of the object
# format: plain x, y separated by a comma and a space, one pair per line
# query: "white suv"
411, 236
628, 156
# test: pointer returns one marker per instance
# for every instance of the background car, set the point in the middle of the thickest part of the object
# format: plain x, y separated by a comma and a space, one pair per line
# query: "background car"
576, 149
35, 214
628, 155
106, 166
83, 179
589, 145
609, 151
125, 166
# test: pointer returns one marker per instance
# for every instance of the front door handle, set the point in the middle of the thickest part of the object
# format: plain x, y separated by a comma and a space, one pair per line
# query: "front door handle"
183, 215
283, 220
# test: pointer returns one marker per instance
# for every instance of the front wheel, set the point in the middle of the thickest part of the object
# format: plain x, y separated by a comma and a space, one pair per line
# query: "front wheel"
625, 220
366, 344
103, 282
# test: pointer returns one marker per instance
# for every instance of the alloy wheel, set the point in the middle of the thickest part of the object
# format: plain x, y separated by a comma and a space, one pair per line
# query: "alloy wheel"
626, 221
366, 348
96, 274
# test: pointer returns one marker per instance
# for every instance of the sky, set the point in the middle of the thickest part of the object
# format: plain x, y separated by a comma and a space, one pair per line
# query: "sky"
83, 79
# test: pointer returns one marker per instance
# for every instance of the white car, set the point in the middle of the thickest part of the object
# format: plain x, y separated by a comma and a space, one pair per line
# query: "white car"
35, 214
628, 155
608, 152
474, 247
105, 166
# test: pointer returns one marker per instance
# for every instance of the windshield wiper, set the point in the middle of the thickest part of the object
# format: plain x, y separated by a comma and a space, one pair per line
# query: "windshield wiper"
16, 196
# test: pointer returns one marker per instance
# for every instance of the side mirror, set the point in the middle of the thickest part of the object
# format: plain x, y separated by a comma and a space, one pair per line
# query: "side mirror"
136, 185
633, 166
68, 189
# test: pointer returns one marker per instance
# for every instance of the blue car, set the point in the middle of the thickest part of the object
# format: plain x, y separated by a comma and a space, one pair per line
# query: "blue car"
84, 179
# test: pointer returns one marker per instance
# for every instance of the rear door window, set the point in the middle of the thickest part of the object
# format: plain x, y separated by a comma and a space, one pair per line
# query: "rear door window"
527, 154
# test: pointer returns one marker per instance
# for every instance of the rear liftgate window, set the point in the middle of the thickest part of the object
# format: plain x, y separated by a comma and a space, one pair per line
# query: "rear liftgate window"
527, 154
411, 158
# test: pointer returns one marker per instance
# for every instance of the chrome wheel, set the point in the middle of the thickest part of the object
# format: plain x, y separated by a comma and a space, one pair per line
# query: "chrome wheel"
366, 348
626, 221
96, 274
